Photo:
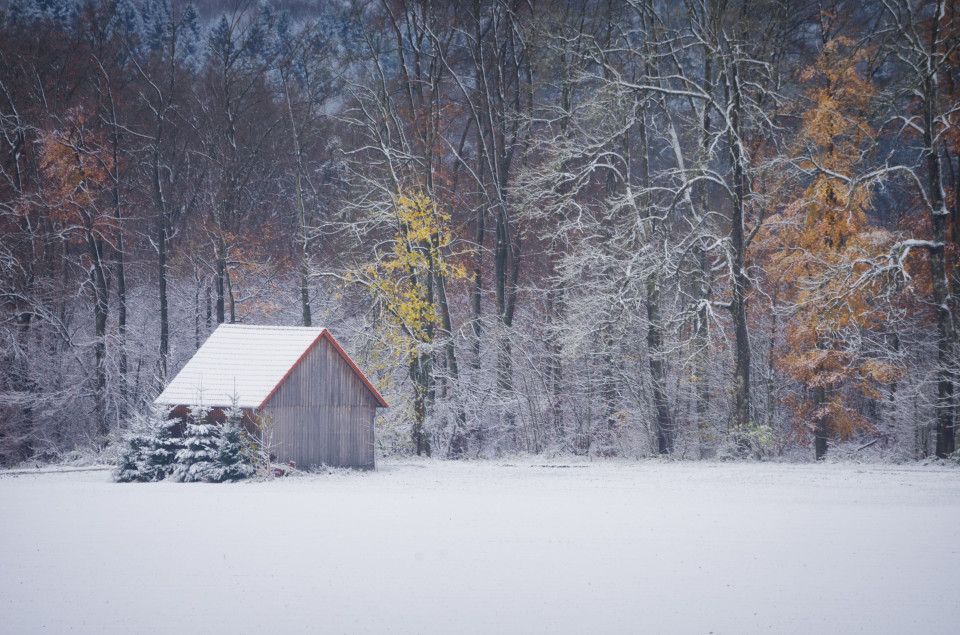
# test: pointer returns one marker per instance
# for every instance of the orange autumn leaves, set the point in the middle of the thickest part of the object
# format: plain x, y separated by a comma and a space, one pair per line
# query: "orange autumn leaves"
819, 245
76, 176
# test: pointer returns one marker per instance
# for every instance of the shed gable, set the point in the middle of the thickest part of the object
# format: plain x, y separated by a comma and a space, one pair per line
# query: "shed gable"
323, 412
323, 377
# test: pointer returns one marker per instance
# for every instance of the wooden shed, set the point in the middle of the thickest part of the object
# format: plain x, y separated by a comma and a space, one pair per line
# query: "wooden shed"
320, 405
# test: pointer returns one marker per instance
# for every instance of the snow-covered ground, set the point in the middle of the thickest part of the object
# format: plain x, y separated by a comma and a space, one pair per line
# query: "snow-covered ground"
481, 547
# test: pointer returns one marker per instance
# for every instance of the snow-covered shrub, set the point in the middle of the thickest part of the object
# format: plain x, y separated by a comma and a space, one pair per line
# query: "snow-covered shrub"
234, 460
233, 463
148, 448
152, 451
197, 459
132, 459
747, 441
164, 444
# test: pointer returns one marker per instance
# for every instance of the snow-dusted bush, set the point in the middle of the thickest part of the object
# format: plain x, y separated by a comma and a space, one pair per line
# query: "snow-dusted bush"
152, 451
748, 441
148, 448
197, 459
164, 444
233, 451
134, 454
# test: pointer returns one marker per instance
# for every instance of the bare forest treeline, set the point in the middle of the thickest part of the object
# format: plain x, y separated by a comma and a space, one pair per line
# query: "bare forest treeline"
708, 228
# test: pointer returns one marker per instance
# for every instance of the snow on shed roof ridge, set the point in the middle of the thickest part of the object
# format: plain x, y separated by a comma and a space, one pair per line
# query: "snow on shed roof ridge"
247, 361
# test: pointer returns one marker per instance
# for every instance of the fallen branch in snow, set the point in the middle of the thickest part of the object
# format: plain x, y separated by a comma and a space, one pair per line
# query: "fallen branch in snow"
864, 447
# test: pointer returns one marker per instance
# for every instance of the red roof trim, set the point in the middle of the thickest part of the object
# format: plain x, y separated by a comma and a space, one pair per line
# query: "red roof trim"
343, 353
376, 393
290, 370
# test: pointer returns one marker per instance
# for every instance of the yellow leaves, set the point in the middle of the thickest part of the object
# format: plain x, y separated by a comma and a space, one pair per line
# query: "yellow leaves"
403, 276
419, 216
422, 237
411, 304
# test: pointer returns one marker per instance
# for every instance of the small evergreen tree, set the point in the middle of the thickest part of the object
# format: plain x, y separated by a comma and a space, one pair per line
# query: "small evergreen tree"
233, 457
134, 454
164, 445
197, 459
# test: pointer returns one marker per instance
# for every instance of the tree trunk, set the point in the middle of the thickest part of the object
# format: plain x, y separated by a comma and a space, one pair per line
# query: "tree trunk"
506, 252
821, 427
500, 255
301, 213
942, 300
508, 420
122, 318
196, 305
662, 425
421, 440
702, 281
945, 346
476, 292
219, 279
701, 345
555, 313
160, 205
458, 440
740, 282
101, 295
164, 314
120, 262
232, 298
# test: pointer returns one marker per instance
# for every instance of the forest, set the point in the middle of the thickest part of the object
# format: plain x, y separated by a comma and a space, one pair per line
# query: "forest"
615, 228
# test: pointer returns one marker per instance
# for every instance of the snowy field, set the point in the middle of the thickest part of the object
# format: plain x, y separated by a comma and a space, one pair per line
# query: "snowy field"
480, 547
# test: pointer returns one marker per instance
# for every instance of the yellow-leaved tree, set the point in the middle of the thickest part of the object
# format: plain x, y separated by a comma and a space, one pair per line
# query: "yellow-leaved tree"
819, 248
405, 278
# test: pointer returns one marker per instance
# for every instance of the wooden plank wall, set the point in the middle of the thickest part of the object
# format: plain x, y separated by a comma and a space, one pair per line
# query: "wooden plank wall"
323, 413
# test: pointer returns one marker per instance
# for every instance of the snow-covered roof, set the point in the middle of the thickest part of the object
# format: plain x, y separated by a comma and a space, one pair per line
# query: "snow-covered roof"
248, 362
